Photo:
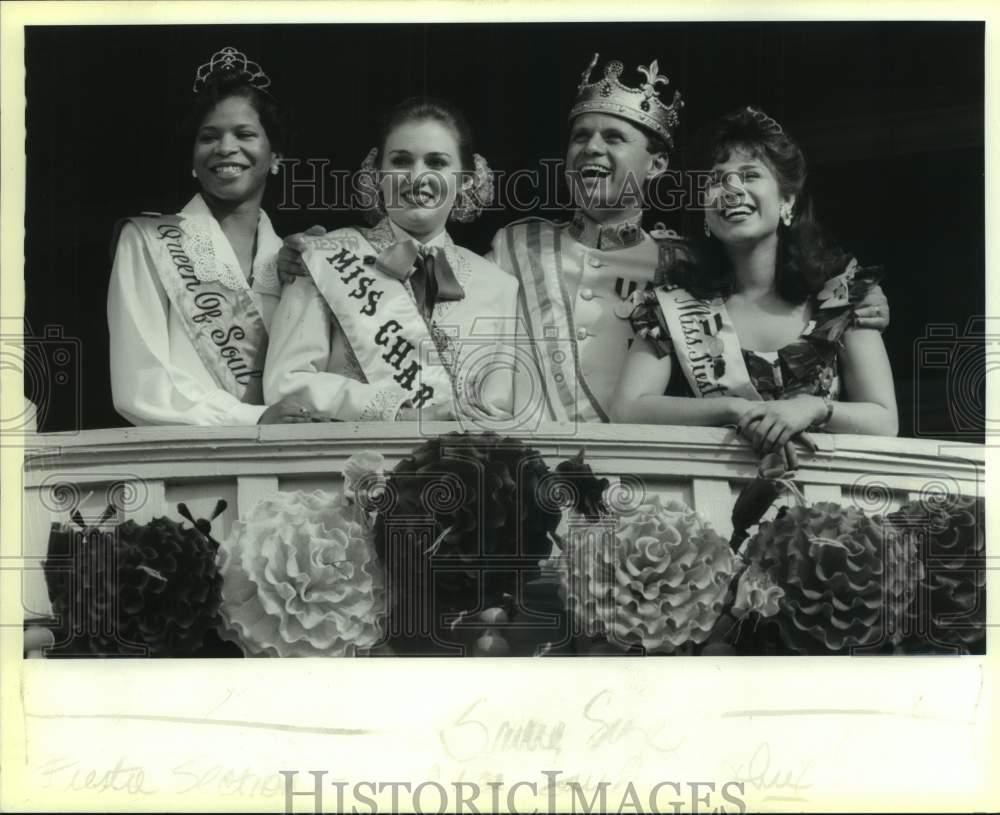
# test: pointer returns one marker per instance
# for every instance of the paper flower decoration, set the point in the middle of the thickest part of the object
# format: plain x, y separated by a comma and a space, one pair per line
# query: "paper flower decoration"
656, 577
149, 590
300, 576
464, 530
950, 544
828, 561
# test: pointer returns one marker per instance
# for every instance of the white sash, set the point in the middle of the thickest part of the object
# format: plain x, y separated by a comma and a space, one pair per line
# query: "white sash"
379, 318
224, 325
705, 344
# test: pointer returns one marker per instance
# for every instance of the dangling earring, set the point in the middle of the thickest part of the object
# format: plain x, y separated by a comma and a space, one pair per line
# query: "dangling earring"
708, 232
194, 173
785, 213
274, 168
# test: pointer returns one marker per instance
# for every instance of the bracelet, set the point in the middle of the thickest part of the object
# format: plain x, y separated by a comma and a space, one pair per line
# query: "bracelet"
822, 423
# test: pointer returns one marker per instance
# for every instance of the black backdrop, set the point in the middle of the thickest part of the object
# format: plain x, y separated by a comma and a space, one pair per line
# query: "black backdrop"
889, 114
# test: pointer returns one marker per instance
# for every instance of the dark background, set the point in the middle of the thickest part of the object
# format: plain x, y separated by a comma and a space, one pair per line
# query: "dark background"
890, 116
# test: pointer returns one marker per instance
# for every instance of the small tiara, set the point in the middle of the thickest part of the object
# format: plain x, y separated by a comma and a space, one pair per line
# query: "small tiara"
229, 60
769, 124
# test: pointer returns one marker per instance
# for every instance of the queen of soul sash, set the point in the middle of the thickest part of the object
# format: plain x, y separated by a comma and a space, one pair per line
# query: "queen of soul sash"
705, 344
379, 318
224, 326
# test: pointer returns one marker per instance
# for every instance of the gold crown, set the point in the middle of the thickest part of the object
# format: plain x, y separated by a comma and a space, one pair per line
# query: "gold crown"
641, 105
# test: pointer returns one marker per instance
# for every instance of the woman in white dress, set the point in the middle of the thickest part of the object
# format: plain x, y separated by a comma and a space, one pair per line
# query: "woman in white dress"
192, 294
398, 321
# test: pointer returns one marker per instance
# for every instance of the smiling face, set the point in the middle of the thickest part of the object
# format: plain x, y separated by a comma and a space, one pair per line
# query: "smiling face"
608, 163
420, 173
232, 153
746, 199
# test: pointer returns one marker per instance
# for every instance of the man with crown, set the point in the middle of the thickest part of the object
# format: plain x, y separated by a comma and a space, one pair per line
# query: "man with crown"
576, 277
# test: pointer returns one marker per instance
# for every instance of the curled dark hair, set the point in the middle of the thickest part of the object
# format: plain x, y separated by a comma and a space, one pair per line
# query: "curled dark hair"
807, 257
422, 108
222, 85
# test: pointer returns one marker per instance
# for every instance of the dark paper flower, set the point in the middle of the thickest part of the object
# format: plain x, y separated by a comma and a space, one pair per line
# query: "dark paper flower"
828, 561
133, 590
466, 517
949, 539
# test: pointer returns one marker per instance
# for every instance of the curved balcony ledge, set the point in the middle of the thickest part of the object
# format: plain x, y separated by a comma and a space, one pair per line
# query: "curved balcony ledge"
146, 471
665, 452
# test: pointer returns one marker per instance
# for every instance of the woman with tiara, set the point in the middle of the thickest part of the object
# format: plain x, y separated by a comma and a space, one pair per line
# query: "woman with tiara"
761, 321
396, 321
192, 294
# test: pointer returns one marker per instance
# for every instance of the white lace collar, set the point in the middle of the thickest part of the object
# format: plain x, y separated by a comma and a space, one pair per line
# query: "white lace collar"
214, 259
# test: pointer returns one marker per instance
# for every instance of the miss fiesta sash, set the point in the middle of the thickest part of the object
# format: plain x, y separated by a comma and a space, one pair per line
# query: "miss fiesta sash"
379, 318
224, 326
705, 344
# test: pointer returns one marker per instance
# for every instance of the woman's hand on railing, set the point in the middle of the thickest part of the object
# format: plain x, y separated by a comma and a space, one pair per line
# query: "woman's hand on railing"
770, 426
432, 413
289, 410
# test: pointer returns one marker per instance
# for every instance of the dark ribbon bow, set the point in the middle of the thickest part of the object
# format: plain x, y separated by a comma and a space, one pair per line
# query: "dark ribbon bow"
426, 267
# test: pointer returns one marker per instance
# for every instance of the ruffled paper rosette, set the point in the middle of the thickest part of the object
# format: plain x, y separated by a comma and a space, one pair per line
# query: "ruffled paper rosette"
300, 574
656, 577
133, 590
949, 539
828, 562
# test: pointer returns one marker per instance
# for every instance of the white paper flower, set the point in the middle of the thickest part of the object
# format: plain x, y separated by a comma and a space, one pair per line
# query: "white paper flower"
301, 578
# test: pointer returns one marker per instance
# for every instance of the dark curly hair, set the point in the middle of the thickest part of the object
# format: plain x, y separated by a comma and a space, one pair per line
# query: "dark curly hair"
222, 85
807, 255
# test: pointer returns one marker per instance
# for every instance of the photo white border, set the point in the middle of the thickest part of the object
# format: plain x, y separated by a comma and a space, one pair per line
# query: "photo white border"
875, 734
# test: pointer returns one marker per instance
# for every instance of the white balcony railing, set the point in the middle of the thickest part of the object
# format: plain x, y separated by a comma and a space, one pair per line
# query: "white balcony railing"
147, 471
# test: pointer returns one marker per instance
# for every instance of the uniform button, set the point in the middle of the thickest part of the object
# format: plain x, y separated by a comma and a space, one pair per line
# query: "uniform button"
581, 333
597, 263
587, 294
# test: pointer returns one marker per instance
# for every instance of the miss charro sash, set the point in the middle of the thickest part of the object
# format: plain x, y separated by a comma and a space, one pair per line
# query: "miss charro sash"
705, 344
224, 326
379, 318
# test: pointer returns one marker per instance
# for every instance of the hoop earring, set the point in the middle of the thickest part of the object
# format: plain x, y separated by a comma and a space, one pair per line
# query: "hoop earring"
708, 232
469, 203
369, 195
